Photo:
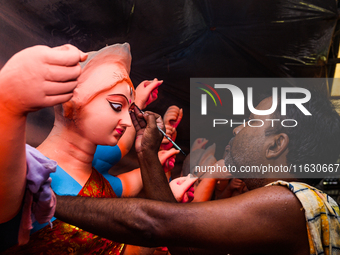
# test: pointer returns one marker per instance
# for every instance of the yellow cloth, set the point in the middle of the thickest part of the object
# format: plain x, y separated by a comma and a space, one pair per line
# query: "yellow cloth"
322, 217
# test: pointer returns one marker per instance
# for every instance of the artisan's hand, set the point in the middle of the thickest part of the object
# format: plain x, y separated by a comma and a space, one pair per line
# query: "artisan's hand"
180, 186
168, 158
39, 77
147, 92
148, 137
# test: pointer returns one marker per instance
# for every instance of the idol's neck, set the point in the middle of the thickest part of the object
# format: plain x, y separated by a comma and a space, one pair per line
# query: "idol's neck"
71, 150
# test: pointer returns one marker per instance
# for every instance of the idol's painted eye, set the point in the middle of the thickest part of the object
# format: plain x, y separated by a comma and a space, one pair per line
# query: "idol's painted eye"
115, 106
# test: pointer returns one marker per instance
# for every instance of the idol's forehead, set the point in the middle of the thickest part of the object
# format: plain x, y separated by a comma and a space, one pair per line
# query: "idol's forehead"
103, 70
123, 90
106, 72
101, 78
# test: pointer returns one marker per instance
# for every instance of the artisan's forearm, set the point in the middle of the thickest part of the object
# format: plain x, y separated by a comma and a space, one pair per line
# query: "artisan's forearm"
155, 183
146, 222
122, 220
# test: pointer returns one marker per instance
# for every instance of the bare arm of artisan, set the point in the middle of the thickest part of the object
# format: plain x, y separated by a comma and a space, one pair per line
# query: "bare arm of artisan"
148, 140
32, 79
267, 220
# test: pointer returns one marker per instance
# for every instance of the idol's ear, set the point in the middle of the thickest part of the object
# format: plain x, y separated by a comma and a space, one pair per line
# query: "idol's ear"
277, 146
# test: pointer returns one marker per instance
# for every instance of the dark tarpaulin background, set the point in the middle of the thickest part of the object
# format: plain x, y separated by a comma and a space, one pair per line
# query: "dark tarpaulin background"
176, 40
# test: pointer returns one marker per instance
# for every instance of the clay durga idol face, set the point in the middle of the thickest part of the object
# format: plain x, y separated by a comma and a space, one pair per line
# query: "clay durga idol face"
105, 117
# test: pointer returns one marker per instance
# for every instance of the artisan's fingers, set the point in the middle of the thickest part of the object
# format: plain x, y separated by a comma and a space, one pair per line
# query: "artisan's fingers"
158, 118
138, 116
150, 120
135, 121
141, 120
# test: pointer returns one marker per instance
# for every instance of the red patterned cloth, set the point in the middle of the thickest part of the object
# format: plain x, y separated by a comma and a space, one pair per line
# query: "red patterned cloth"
64, 238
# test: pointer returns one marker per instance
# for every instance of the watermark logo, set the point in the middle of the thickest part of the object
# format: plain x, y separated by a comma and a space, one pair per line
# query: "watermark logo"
261, 113
238, 99
204, 97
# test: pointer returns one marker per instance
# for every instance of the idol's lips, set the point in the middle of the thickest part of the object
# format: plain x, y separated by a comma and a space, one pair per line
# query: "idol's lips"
120, 131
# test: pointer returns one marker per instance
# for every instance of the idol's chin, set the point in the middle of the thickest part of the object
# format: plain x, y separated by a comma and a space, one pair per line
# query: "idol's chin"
112, 142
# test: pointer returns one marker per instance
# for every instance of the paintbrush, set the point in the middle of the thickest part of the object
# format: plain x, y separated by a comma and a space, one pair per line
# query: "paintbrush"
163, 133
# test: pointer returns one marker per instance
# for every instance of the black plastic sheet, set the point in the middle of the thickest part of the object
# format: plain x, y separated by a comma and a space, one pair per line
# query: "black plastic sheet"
176, 40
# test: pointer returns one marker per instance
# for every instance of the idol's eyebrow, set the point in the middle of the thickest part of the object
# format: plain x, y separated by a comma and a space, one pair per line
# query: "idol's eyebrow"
120, 95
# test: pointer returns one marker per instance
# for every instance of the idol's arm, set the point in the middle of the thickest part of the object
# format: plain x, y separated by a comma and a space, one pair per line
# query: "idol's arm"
12, 163
32, 79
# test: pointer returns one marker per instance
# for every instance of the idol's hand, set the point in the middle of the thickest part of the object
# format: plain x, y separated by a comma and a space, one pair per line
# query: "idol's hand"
147, 92
168, 158
199, 143
173, 116
180, 186
148, 136
39, 77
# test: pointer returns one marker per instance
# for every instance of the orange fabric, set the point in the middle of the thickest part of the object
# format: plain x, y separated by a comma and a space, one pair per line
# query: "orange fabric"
64, 238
